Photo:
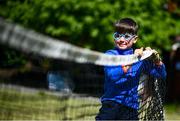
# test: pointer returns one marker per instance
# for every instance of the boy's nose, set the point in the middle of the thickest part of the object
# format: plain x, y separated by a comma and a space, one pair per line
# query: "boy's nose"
121, 39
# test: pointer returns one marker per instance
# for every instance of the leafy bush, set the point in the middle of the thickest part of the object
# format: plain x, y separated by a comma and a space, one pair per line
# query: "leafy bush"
89, 23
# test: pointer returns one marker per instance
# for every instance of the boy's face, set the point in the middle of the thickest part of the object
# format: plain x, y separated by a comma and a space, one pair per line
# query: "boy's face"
124, 41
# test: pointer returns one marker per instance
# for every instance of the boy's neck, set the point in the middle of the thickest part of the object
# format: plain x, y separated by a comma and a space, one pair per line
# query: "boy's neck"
124, 52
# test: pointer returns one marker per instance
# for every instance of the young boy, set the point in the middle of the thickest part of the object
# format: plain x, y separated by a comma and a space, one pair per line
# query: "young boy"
120, 98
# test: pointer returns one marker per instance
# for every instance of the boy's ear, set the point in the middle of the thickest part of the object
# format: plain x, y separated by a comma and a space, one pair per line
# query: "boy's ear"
135, 39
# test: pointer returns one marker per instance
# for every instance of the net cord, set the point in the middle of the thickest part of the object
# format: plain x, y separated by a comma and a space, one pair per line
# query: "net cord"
30, 41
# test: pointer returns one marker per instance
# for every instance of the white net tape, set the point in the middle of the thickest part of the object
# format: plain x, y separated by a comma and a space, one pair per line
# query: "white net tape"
31, 41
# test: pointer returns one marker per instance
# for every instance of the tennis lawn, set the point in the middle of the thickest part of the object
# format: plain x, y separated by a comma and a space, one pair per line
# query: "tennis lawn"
38, 105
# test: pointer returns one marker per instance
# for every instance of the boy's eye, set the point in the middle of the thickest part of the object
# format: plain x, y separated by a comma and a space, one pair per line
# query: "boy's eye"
116, 35
127, 36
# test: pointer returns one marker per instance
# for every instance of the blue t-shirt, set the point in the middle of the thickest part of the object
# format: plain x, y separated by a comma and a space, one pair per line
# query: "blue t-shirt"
121, 86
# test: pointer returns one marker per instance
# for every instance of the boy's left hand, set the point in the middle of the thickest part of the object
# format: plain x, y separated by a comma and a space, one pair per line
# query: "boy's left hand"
155, 57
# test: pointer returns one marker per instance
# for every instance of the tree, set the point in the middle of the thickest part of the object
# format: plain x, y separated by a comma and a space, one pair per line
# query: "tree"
89, 23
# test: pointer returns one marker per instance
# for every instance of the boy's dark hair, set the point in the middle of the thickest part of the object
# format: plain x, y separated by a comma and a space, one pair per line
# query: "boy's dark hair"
126, 25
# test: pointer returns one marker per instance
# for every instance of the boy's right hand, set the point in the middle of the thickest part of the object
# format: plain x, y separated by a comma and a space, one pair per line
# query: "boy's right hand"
139, 52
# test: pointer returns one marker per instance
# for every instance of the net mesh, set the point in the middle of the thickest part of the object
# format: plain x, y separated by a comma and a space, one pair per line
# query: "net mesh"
74, 83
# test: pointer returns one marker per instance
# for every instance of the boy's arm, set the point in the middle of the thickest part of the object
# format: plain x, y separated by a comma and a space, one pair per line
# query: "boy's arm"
154, 66
158, 70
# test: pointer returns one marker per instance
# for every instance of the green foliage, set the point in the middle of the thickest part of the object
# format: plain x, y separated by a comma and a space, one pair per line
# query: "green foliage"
89, 23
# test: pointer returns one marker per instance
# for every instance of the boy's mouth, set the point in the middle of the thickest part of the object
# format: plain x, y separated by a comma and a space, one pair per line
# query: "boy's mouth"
122, 43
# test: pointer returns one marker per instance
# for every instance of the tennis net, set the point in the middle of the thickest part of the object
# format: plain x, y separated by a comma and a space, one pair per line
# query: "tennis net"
75, 80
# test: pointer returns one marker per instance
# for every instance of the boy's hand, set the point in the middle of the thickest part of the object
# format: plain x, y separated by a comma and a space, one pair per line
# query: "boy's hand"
155, 57
139, 52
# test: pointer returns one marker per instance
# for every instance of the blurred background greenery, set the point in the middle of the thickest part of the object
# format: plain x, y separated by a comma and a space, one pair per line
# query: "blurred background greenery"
86, 22
89, 23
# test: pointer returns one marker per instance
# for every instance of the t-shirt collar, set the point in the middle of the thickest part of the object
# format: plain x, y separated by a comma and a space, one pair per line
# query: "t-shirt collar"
124, 52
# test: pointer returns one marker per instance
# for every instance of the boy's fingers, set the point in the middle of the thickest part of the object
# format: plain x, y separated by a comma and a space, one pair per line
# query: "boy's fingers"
141, 48
139, 52
155, 52
156, 57
148, 48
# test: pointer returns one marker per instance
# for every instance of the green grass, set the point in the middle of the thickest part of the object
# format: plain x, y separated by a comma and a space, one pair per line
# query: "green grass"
16, 105
172, 111
20, 105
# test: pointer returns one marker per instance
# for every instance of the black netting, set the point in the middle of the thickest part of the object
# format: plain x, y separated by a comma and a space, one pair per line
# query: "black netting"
152, 93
